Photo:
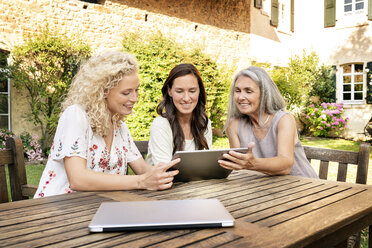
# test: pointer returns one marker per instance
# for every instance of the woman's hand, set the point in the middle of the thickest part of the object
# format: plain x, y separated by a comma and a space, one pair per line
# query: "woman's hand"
157, 177
239, 161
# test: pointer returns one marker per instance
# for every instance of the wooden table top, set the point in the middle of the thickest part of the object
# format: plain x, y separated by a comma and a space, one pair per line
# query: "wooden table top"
270, 211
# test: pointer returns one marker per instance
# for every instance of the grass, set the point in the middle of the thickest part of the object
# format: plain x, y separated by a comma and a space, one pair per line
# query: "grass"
33, 173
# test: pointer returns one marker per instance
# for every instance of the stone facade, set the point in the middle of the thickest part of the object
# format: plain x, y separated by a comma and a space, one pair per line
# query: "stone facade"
232, 32
221, 28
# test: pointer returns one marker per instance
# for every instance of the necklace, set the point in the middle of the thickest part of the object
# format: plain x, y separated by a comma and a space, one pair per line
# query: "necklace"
263, 125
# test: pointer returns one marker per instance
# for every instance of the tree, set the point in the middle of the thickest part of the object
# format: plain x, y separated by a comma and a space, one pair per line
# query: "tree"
43, 68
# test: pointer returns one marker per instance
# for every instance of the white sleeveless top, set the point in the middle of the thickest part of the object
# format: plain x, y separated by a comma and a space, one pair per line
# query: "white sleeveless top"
267, 147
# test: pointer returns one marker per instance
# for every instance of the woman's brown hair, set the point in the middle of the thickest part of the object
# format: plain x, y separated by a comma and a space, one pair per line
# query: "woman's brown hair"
199, 119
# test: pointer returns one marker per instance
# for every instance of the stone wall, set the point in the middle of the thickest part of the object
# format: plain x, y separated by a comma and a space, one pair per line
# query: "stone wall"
220, 28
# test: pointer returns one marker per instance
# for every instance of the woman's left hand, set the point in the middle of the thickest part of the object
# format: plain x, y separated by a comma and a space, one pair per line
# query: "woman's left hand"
238, 161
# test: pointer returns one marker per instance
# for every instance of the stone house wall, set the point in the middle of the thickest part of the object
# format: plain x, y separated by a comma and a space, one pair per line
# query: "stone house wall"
221, 28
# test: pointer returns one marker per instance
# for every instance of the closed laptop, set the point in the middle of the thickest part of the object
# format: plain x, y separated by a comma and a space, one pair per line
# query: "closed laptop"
162, 214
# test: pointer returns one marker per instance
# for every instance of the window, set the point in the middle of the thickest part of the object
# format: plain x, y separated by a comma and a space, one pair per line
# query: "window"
353, 7
352, 83
282, 15
285, 15
4, 93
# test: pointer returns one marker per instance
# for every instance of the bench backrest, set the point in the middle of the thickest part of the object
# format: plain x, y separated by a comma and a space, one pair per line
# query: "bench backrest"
142, 147
343, 158
13, 157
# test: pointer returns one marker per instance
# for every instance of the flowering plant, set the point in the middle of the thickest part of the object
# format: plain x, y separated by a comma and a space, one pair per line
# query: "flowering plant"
324, 119
4, 134
31, 146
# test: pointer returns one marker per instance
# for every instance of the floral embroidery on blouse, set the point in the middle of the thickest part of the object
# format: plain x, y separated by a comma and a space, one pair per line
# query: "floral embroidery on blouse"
104, 160
51, 176
59, 149
120, 162
68, 190
75, 147
92, 155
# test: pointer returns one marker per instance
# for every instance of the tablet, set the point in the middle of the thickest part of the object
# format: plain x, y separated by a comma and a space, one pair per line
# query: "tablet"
202, 164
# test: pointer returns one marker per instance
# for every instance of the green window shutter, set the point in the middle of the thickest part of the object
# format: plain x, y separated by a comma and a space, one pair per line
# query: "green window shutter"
369, 83
274, 13
292, 15
258, 4
329, 13
370, 10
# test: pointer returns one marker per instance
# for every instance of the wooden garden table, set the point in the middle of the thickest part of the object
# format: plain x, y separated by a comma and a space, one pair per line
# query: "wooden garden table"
270, 211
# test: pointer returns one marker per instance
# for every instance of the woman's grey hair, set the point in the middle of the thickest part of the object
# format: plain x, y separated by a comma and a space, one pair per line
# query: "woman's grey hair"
271, 100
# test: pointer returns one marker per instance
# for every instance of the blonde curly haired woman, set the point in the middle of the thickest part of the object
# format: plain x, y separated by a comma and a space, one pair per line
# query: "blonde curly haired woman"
92, 146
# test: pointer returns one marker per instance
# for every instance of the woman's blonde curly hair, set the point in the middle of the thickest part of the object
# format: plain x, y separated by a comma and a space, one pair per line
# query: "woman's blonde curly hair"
94, 80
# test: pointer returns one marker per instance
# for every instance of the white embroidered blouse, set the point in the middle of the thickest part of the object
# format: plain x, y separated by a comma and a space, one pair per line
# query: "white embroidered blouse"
74, 137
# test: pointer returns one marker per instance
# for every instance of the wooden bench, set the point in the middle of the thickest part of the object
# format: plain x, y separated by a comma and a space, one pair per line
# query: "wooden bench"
343, 158
13, 157
142, 147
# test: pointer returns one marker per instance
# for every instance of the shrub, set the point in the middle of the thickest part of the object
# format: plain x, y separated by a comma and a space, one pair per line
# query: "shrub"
325, 120
42, 68
4, 134
325, 84
303, 79
31, 146
157, 55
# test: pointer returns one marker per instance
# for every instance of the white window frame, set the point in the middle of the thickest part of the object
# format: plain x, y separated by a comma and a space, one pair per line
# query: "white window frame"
352, 74
352, 18
284, 14
7, 93
353, 6
284, 18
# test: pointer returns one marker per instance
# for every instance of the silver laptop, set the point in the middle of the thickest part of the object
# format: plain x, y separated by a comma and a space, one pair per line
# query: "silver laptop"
201, 164
162, 214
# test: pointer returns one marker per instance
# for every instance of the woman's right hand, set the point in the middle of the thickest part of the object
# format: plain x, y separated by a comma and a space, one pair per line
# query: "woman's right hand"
239, 161
158, 178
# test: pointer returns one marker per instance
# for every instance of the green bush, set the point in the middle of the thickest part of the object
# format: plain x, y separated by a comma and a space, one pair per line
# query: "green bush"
31, 146
4, 134
325, 120
157, 55
303, 81
325, 85
296, 80
43, 67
